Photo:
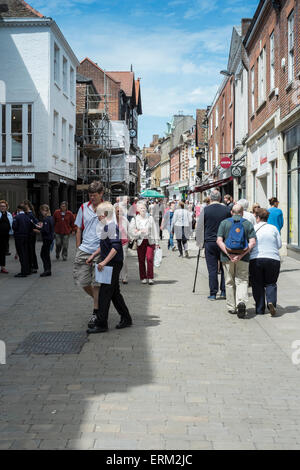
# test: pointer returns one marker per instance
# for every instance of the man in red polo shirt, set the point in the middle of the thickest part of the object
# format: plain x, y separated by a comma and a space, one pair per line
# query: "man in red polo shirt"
64, 226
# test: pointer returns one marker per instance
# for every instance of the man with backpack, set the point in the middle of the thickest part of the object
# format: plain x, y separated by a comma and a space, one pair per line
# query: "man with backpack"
236, 237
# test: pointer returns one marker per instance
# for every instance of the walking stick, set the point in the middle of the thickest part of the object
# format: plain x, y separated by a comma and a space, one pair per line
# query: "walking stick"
196, 270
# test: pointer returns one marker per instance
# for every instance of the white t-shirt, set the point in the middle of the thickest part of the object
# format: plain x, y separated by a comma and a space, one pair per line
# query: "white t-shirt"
88, 221
268, 242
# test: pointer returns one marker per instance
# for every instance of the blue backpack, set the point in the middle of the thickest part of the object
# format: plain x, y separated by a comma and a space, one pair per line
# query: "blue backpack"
236, 242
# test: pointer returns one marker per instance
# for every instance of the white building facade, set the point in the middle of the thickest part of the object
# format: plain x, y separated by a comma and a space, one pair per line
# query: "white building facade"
37, 112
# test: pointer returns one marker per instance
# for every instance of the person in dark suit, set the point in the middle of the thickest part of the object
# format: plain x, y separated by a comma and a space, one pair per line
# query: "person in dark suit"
32, 236
5, 227
22, 227
47, 232
206, 234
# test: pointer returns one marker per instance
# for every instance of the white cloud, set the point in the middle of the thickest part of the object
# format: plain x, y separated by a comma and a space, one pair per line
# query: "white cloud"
177, 68
200, 7
56, 7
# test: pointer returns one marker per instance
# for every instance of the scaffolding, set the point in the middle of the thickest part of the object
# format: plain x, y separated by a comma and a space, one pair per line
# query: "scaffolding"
94, 141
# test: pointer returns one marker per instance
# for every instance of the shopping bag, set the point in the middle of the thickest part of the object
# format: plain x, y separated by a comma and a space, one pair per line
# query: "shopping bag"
157, 257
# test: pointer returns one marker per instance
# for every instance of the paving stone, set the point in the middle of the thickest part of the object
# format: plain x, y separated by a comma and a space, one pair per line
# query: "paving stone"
209, 382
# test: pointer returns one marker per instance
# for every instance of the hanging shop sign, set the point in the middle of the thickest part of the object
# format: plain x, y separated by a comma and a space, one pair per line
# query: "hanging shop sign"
225, 162
236, 171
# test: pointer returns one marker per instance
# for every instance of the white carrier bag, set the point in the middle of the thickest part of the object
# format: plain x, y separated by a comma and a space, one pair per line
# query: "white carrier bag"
157, 257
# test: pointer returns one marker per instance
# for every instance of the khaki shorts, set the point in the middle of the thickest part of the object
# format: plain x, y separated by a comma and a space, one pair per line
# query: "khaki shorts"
84, 274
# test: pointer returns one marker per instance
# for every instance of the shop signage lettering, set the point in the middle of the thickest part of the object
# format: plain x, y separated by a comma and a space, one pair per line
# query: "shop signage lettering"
13, 176
263, 160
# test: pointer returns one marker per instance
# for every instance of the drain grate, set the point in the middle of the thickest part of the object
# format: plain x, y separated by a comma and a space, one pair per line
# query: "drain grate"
53, 342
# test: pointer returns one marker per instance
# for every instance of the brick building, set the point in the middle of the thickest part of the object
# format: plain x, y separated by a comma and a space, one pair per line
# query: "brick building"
220, 135
272, 43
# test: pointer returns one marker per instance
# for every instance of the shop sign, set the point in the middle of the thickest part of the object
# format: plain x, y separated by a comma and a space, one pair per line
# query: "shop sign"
236, 171
263, 160
17, 176
225, 162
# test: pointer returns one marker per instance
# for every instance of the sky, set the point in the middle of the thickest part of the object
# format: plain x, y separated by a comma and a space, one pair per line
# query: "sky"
176, 47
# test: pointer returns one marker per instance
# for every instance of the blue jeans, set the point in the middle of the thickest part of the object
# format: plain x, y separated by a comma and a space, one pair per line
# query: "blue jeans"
171, 241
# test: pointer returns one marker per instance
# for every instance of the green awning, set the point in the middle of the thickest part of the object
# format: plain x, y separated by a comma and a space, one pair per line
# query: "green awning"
151, 193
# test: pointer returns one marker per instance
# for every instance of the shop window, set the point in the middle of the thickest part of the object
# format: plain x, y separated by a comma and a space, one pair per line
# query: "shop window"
293, 190
3, 133
275, 178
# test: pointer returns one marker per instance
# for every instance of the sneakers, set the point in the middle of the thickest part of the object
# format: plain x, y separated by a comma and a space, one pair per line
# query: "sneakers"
241, 310
272, 309
96, 329
93, 319
223, 295
4, 271
144, 281
45, 274
150, 281
212, 297
180, 255
124, 323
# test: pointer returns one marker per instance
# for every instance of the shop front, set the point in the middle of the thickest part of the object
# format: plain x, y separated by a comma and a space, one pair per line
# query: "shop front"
292, 154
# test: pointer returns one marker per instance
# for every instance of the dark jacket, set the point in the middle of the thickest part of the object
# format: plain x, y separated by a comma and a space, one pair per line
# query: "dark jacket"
47, 231
213, 216
22, 226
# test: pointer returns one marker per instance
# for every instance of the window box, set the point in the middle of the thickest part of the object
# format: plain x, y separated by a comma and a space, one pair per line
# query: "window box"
262, 104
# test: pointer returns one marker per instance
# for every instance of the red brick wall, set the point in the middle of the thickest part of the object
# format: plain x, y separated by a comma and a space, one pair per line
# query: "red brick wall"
89, 70
287, 99
80, 97
175, 166
222, 135
289, 96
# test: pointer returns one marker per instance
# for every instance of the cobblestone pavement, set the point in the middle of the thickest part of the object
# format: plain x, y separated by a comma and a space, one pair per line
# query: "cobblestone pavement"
186, 375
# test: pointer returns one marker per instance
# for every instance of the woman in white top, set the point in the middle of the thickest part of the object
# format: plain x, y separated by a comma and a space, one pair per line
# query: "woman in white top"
265, 264
182, 227
144, 230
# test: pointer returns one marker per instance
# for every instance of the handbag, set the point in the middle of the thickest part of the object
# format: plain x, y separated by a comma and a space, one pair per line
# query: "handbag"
132, 245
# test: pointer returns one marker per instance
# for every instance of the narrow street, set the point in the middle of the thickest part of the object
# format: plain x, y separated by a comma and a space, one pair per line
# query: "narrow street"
186, 375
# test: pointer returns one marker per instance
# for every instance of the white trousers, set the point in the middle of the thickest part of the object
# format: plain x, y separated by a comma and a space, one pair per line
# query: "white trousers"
124, 272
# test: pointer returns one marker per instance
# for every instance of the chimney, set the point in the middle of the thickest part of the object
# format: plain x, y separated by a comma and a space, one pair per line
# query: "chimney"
245, 25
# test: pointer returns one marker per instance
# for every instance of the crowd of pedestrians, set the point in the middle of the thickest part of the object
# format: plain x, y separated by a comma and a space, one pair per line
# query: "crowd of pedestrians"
244, 248
241, 247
